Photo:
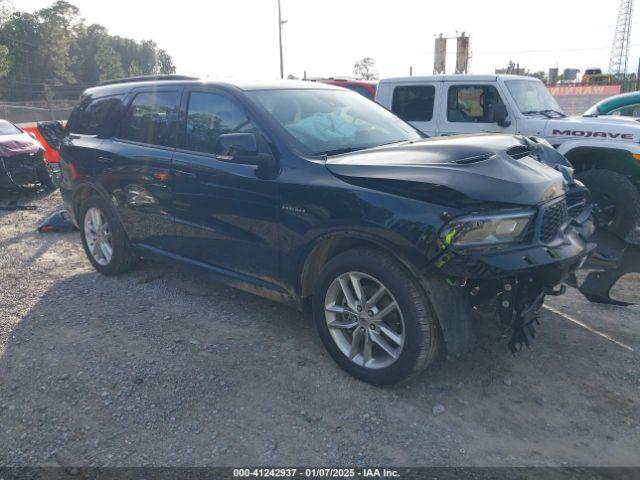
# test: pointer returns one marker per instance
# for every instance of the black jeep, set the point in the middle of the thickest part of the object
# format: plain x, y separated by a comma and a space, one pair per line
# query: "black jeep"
312, 195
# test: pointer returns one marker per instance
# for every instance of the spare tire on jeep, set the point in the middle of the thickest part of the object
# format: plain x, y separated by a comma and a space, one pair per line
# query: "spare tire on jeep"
616, 200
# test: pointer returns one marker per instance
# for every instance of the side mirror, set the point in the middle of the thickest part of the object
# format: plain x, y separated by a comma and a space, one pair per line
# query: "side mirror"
233, 145
242, 148
498, 114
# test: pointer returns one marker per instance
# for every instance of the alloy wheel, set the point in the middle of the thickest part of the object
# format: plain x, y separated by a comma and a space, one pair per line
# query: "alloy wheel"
364, 320
98, 236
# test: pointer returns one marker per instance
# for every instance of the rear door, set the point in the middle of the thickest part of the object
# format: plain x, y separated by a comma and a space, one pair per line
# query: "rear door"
226, 216
416, 104
135, 166
466, 109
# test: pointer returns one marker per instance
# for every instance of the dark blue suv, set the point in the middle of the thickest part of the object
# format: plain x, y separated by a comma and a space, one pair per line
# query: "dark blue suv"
312, 195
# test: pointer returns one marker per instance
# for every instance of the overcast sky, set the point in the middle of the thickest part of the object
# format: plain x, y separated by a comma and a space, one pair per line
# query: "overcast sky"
239, 38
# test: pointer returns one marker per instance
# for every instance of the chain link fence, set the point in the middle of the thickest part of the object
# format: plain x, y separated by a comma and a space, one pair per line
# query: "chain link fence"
41, 111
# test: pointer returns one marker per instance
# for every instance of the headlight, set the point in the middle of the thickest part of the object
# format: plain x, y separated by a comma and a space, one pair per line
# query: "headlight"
486, 230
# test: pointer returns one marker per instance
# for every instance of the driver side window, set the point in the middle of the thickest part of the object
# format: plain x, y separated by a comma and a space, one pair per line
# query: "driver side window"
210, 115
470, 103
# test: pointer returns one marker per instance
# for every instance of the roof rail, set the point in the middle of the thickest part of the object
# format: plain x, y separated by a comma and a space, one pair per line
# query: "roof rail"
147, 78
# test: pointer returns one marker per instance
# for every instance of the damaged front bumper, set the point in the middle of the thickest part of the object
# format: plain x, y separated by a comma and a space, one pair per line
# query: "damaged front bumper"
18, 171
517, 279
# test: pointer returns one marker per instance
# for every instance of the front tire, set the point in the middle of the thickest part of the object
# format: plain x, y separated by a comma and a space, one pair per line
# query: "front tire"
103, 238
374, 318
615, 198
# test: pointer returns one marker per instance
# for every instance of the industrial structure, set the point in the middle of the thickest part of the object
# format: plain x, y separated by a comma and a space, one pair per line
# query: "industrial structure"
463, 54
620, 50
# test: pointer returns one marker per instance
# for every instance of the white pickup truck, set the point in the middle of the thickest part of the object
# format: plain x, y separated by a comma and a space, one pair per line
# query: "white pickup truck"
604, 150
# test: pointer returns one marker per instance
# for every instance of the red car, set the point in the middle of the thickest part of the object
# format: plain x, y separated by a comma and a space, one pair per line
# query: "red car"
366, 88
22, 160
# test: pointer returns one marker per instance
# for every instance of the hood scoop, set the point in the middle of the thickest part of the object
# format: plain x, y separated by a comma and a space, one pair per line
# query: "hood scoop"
519, 152
476, 159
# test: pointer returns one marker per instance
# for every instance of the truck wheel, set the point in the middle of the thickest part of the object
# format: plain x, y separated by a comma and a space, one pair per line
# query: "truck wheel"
44, 175
103, 238
616, 201
374, 318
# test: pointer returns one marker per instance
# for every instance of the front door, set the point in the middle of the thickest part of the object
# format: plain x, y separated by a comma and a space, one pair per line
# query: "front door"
466, 109
226, 216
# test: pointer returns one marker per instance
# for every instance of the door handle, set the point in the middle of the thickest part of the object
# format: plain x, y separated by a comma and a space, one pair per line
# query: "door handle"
104, 160
182, 173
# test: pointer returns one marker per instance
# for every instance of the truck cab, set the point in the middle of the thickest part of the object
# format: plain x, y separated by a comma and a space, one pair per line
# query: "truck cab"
604, 150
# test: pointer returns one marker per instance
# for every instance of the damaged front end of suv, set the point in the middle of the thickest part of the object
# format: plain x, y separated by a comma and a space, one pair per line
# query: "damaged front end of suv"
515, 225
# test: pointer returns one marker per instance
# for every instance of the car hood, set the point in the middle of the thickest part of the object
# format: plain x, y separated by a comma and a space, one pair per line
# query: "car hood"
492, 168
18, 144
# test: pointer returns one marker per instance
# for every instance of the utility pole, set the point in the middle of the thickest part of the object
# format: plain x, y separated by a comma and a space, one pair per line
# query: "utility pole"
280, 24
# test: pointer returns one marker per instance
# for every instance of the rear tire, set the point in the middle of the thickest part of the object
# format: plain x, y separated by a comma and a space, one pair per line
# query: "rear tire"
615, 198
402, 343
104, 239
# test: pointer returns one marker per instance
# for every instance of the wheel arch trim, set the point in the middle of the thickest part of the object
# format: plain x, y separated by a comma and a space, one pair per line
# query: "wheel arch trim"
449, 304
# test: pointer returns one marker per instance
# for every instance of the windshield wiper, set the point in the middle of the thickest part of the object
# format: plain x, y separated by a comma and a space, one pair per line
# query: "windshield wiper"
560, 114
339, 151
546, 113
537, 112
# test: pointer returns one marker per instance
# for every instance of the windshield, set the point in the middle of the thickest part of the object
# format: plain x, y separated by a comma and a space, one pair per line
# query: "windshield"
329, 122
7, 128
532, 96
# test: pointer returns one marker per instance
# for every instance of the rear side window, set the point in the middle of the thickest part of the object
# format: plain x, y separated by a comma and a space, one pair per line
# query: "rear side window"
152, 118
414, 103
209, 116
88, 117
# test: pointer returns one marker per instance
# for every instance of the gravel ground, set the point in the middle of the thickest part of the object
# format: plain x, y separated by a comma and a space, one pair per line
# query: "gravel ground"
162, 367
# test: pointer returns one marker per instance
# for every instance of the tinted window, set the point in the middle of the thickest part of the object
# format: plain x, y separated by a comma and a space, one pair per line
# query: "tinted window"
414, 103
209, 116
470, 103
88, 117
152, 118
364, 91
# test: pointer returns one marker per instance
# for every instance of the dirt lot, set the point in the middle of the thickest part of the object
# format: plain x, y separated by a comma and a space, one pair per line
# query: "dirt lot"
162, 367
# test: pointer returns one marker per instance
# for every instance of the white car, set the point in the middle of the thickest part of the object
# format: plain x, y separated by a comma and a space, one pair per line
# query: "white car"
604, 151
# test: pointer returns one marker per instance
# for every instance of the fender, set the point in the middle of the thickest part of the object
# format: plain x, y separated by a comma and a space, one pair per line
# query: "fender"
450, 304
82, 184
354, 237
565, 147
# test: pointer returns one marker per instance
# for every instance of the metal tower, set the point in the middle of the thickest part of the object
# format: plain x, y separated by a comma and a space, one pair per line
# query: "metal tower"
620, 49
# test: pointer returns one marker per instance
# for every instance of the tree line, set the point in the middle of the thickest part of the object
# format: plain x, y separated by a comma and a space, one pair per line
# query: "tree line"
53, 53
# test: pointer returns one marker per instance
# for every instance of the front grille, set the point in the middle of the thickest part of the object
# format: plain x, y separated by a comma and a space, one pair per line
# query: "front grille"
552, 219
